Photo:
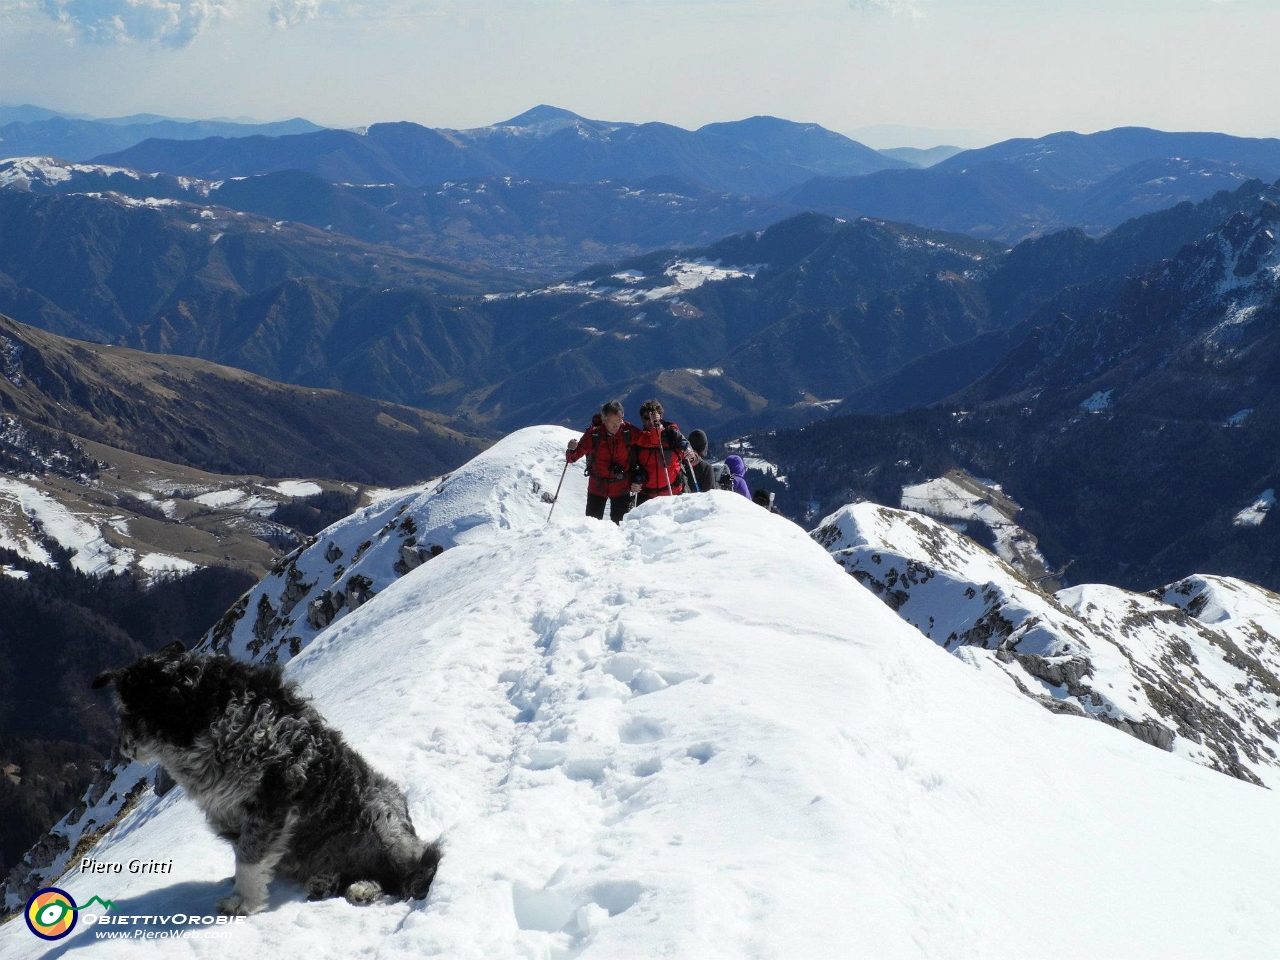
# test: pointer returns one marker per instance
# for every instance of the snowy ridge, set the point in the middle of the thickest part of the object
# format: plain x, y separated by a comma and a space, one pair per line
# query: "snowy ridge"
24, 173
960, 497
1247, 613
356, 558
678, 277
1135, 662
331, 576
693, 735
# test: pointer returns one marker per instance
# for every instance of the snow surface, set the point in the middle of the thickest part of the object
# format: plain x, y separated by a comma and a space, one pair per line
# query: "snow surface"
1246, 612
161, 563
695, 736
20, 171
242, 500
1206, 691
297, 488
1097, 401
1237, 419
948, 499
82, 534
1257, 511
682, 276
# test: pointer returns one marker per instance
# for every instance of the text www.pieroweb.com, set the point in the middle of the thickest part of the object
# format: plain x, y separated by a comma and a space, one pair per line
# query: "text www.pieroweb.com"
176, 926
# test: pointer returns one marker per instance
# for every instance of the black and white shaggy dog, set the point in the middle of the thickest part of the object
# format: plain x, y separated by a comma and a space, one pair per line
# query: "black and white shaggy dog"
283, 787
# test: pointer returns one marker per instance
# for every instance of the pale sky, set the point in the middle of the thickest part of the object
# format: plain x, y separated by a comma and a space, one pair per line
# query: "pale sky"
994, 68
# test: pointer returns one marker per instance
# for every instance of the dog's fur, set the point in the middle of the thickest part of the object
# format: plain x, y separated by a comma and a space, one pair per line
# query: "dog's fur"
272, 778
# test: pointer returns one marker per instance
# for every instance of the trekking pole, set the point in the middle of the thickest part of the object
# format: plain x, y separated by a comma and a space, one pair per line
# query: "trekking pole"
558, 486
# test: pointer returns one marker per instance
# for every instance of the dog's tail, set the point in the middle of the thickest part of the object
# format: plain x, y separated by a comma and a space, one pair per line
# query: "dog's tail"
417, 879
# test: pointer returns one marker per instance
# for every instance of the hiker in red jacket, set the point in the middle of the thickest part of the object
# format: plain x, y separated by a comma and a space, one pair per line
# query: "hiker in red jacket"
606, 444
656, 454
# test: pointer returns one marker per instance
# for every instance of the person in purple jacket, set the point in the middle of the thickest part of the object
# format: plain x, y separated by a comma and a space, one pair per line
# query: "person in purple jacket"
738, 470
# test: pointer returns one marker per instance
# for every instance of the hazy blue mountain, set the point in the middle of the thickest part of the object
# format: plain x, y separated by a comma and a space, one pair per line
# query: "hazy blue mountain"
402, 153
994, 200
1073, 160
28, 113
803, 144
918, 157
760, 156
1158, 184
1023, 188
81, 139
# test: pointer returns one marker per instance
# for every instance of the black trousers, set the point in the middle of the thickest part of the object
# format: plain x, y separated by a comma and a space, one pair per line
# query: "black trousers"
617, 506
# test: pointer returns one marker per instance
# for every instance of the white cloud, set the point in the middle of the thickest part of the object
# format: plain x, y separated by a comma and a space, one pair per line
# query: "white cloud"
171, 23
292, 13
912, 8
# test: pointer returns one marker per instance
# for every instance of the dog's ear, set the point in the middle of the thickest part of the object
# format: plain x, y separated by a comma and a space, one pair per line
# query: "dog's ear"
173, 648
104, 678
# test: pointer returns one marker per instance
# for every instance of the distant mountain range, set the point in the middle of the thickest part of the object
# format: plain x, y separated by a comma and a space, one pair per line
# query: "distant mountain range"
1096, 181
1138, 428
762, 327
759, 156
31, 131
731, 327
541, 228
1007, 191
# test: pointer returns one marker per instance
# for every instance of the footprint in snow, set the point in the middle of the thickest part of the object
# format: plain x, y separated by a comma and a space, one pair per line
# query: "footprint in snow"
641, 730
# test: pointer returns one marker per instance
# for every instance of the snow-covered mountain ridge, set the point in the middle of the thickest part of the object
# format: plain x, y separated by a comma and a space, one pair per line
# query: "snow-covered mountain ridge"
695, 735
1193, 667
50, 173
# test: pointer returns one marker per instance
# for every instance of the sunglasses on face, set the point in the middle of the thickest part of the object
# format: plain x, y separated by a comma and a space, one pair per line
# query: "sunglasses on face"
655, 417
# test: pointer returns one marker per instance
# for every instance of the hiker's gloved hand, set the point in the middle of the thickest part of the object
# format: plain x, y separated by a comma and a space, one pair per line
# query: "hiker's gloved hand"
573, 445
635, 488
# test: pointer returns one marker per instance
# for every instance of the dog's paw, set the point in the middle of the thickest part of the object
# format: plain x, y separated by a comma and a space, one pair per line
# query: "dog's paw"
363, 892
322, 886
235, 905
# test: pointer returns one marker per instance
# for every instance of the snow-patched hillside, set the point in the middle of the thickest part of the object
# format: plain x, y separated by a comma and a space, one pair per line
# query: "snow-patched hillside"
1193, 668
693, 735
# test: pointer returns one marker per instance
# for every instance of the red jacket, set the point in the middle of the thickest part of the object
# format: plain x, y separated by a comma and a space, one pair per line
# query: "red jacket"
610, 458
656, 460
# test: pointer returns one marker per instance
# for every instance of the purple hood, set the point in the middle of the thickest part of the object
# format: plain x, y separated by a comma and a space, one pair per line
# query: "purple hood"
737, 468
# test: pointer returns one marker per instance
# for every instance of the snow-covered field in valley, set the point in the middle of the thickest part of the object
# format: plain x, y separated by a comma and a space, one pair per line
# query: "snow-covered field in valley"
695, 736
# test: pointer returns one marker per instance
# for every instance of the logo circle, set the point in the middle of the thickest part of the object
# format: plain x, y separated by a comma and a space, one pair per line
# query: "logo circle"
51, 913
